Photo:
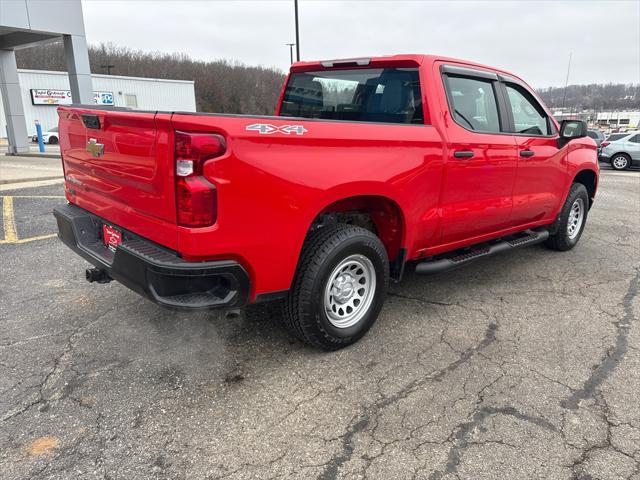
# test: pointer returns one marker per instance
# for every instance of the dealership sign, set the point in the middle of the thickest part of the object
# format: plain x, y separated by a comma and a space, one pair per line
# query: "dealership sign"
63, 97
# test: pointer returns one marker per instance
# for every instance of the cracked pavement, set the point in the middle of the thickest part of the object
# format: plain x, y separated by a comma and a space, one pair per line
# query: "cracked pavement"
525, 365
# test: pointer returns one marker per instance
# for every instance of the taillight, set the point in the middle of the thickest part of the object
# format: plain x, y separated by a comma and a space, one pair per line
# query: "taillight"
196, 197
604, 144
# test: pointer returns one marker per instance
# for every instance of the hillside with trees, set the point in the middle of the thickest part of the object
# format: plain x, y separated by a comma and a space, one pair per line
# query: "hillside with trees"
227, 87
611, 96
221, 86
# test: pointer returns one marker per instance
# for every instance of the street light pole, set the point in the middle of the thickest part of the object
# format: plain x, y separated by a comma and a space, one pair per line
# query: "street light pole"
290, 45
295, 3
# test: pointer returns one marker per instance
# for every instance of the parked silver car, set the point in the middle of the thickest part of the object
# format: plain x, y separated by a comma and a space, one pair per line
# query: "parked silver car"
623, 151
597, 136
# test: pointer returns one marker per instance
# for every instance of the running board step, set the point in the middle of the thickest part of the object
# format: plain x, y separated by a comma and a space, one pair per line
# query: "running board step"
462, 257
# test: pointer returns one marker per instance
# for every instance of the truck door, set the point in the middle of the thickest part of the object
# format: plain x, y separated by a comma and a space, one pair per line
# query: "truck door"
542, 168
481, 157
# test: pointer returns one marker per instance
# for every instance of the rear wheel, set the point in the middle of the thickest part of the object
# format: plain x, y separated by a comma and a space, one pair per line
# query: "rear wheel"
572, 219
339, 287
620, 161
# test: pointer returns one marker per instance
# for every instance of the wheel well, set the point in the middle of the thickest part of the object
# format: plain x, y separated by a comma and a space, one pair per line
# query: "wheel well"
588, 179
378, 214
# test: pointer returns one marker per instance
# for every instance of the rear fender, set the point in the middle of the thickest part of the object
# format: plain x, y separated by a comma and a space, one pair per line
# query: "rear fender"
378, 201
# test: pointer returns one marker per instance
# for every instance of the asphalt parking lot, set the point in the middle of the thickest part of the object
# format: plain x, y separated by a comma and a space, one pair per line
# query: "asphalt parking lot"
526, 365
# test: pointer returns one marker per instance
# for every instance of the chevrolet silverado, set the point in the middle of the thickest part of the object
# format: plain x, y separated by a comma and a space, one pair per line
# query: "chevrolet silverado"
367, 166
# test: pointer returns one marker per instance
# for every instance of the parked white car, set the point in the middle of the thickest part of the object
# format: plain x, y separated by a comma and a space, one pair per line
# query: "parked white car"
50, 136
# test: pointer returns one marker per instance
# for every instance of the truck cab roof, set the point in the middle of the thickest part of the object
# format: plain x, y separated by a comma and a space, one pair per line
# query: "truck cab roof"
389, 61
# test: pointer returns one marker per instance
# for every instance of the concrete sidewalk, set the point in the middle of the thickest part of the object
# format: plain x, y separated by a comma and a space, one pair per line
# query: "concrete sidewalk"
20, 169
51, 151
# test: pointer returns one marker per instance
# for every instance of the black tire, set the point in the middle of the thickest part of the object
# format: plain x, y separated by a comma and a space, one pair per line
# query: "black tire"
53, 140
322, 253
562, 240
622, 160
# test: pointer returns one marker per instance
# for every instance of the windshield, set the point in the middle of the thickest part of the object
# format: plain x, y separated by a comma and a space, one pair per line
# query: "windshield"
365, 95
54, 129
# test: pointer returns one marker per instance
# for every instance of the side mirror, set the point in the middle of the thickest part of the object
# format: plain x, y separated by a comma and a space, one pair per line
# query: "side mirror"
570, 129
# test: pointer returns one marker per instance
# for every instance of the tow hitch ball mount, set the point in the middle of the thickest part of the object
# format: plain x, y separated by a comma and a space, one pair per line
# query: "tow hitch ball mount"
97, 275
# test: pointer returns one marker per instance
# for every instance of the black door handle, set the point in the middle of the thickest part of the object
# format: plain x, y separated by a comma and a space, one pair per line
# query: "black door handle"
463, 154
527, 153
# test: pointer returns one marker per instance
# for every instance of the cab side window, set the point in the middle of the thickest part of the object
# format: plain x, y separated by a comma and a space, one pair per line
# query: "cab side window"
528, 116
473, 102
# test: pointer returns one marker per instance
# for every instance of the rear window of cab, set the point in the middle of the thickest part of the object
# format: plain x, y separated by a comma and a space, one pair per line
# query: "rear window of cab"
387, 95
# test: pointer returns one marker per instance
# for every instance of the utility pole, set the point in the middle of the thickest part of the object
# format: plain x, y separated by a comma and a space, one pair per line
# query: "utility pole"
295, 4
108, 68
290, 45
566, 83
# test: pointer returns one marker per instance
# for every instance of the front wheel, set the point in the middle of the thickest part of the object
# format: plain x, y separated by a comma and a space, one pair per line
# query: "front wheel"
572, 219
620, 161
339, 287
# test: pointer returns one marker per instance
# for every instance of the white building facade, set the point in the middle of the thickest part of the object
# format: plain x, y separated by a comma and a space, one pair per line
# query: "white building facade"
43, 91
619, 119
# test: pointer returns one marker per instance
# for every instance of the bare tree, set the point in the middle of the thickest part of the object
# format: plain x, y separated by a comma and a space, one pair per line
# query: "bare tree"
609, 96
221, 86
231, 87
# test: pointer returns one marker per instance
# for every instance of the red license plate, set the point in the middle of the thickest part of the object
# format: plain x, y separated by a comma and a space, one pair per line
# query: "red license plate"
111, 237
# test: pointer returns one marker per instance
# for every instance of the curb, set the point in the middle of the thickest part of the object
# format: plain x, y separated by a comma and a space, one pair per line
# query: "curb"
34, 179
34, 155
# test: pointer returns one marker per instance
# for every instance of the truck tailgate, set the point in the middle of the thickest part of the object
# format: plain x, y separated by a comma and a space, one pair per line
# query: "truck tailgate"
118, 165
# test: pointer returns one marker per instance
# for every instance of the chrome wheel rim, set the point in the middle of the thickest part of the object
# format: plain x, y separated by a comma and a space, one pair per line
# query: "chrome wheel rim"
349, 291
620, 162
576, 217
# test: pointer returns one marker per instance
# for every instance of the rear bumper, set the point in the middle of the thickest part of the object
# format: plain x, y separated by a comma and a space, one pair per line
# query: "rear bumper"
151, 270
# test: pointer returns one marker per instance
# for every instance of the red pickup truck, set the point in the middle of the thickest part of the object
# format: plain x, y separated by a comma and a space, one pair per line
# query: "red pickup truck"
368, 165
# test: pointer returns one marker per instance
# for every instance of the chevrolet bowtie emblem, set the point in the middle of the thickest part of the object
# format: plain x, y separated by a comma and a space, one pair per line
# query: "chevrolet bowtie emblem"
94, 148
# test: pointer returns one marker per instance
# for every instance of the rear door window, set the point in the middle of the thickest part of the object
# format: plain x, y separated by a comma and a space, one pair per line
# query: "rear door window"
474, 103
390, 95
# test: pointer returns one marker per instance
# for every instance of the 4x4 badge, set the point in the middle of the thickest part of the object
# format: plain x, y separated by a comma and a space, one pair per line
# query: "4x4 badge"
267, 129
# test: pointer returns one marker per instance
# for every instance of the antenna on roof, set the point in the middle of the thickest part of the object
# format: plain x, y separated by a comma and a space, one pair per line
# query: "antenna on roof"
295, 6
566, 83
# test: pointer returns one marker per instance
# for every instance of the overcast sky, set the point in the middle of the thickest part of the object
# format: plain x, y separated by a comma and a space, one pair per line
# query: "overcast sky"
530, 38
